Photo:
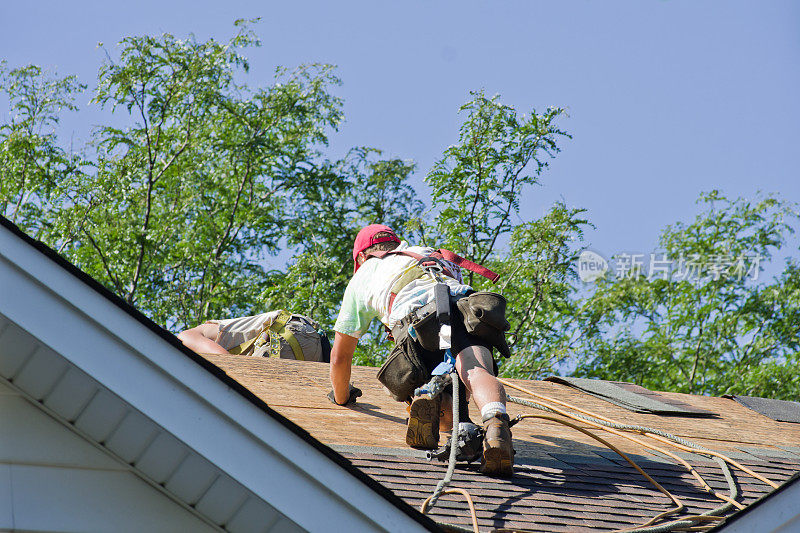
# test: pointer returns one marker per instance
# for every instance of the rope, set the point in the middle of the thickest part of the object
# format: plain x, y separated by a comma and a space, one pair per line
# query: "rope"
699, 522
651, 432
451, 463
679, 506
472, 513
610, 426
690, 522
686, 523
451, 466
683, 523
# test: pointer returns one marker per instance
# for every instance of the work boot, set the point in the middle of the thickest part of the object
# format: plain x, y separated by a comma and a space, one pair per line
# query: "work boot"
498, 450
423, 423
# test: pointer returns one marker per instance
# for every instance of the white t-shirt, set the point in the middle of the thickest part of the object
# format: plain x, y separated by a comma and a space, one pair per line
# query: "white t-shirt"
369, 291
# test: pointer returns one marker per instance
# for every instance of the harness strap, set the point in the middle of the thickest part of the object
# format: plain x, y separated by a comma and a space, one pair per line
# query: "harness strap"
439, 254
413, 274
469, 265
276, 329
245, 346
446, 255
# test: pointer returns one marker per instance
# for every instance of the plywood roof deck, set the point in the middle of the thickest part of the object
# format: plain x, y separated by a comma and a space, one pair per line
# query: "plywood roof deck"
564, 480
297, 390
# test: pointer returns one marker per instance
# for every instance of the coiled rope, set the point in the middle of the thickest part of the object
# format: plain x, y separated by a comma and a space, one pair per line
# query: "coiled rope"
653, 433
695, 522
611, 426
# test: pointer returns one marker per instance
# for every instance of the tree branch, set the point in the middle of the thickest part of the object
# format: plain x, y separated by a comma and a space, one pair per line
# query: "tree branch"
110, 275
696, 359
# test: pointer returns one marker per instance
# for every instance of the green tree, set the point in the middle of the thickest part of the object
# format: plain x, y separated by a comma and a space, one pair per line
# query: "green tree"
348, 194
709, 325
33, 166
198, 180
541, 288
189, 196
476, 191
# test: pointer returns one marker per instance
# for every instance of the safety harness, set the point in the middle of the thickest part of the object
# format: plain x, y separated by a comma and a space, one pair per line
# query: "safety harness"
467, 440
277, 330
432, 260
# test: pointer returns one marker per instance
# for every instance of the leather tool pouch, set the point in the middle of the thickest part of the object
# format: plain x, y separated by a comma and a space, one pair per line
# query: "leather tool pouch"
403, 370
427, 329
485, 317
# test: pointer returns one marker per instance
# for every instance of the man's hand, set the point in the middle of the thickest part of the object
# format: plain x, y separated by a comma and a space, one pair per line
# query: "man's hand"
355, 392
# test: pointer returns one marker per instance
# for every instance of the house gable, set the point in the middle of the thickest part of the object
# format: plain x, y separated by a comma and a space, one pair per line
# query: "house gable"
121, 383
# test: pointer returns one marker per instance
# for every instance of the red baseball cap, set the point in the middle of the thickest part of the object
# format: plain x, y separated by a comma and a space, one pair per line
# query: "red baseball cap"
366, 238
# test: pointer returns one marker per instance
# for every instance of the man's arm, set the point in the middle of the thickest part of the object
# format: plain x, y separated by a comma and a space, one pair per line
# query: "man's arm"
341, 359
200, 339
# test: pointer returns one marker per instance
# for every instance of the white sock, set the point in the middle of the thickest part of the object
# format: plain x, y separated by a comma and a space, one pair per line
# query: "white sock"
491, 409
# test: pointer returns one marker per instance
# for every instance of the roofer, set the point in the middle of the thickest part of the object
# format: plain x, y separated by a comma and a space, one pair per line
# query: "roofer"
394, 282
273, 334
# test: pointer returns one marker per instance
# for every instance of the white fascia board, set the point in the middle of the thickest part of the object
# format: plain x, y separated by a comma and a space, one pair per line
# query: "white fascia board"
135, 363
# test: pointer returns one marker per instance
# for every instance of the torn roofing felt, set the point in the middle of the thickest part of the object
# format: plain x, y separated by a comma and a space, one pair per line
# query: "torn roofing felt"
778, 410
632, 397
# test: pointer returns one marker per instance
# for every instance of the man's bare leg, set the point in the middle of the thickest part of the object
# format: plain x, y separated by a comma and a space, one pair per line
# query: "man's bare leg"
474, 365
202, 339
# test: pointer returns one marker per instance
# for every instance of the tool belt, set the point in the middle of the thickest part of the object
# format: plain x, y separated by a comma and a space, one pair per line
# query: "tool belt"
483, 315
404, 370
425, 325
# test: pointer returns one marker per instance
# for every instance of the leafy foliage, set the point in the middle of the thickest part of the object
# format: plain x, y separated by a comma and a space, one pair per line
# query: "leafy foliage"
707, 326
197, 179
346, 195
477, 184
33, 166
541, 290
190, 196
476, 187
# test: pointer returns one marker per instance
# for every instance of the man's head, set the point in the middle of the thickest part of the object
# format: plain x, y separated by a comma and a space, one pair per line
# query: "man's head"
373, 238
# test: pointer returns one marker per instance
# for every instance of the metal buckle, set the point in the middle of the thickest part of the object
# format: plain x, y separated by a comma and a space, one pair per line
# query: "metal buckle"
433, 266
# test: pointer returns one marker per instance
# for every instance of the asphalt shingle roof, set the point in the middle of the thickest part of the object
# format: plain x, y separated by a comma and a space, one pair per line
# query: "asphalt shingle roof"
563, 481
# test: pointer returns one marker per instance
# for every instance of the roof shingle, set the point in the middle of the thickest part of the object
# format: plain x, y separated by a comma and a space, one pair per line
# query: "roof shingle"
563, 480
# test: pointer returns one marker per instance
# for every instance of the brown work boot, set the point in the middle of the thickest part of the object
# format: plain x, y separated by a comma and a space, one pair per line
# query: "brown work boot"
423, 423
498, 450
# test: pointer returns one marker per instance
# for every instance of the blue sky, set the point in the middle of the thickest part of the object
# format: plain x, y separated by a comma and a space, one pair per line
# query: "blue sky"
665, 98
